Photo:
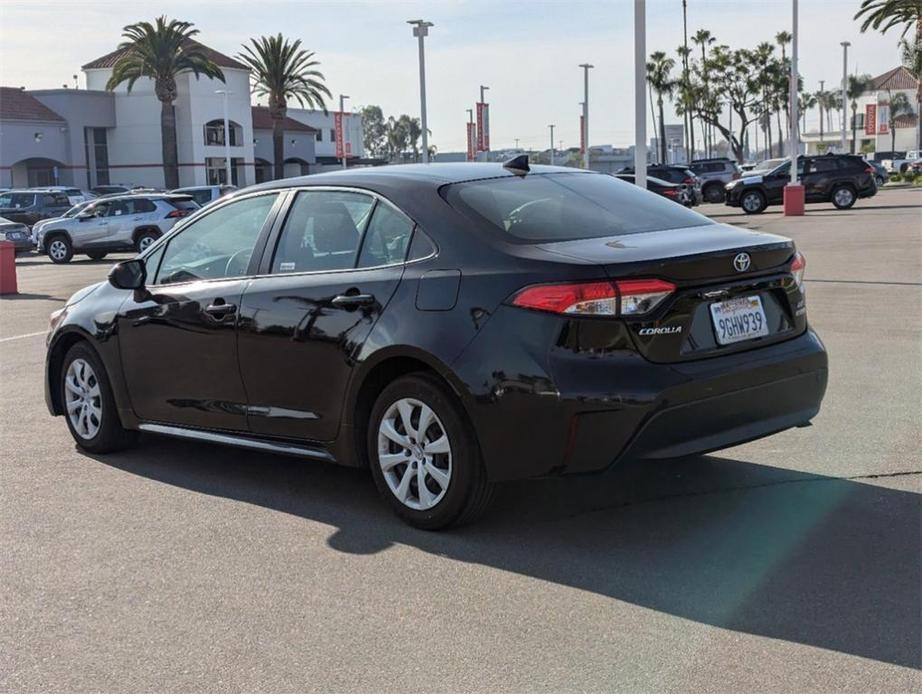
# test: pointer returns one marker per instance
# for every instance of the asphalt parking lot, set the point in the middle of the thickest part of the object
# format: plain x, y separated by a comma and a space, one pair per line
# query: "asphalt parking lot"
788, 564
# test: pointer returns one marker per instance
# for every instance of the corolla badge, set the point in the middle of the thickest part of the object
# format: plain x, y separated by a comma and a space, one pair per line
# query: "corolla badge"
741, 262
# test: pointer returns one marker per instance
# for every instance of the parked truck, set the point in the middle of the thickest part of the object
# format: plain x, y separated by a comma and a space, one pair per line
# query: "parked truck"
913, 159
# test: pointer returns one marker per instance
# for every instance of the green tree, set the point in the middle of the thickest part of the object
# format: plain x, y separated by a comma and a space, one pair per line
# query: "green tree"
282, 70
855, 87
883, 15
397, 138
783, 38
161, 52
912, 61
806, 102
899, 106
685, 99
704, 38
659, 75
375, 131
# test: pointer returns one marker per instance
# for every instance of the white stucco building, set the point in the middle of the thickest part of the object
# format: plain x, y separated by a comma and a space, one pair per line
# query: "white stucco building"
95, 137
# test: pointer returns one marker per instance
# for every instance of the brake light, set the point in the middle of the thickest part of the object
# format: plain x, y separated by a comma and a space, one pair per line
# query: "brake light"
175, 214
869, 170
635, 297
688, 181
671, 192
798, 265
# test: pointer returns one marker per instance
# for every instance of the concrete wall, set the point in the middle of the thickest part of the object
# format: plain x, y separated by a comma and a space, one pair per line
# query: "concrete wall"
298, 145
21, 140
326, 147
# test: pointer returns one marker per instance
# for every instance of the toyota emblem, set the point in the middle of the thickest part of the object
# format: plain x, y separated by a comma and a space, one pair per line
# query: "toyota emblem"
741, 262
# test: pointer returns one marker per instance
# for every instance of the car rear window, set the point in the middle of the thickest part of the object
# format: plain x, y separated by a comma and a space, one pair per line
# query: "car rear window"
17, 200
541, 208
183, 203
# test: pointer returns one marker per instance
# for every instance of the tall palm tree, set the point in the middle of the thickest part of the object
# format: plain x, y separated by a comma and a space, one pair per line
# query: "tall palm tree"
659, 75
783, 38
820, 96
282, 70
806, 102
686, 100
912, 61
883, 15
855, 87
161, 52
704, 38
899, 106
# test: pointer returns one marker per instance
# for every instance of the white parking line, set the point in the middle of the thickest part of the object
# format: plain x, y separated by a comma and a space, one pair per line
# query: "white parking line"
19, 337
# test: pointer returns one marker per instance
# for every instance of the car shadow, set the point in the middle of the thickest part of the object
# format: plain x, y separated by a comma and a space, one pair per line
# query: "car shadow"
827, 562
30, 297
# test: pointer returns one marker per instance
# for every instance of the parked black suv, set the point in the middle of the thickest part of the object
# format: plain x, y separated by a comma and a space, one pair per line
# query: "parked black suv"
29, 206
837, 178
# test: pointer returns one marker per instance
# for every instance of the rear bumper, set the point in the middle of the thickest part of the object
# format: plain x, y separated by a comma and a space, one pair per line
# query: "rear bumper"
582, 413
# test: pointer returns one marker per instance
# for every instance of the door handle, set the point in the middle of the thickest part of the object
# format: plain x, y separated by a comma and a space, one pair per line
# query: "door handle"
220, 310
353, 300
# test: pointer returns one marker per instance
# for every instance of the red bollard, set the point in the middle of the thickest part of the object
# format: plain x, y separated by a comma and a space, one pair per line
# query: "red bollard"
793, 200
8, 268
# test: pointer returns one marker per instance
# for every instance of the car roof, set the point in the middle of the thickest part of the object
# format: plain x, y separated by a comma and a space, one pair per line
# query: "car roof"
133, 196
434, 175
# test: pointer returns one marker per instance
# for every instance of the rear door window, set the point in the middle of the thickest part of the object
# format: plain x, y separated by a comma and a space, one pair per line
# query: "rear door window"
387, 237
540, 208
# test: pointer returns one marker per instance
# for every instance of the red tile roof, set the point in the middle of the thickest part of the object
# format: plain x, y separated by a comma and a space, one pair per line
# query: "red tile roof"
15, 104
897, 78
221, 60
263, 121
905, 121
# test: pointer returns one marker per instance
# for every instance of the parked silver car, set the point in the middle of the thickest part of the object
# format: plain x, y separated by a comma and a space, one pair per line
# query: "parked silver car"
206, 194
123, 223
715, 174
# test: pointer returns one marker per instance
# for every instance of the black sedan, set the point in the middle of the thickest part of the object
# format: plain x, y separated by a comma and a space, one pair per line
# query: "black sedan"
676, 192
446, 326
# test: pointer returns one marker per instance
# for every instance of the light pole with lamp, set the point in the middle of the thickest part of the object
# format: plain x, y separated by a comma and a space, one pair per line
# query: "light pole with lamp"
227, 153
421, 31
845, 45
793, 193
342, 124
640, 81
585, 134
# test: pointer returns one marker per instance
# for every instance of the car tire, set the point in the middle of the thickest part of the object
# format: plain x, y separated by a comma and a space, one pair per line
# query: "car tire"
880, 180
96, 255
445, 458
753, 202
88, 404
59, 249
714, 193
843, 197
144, 239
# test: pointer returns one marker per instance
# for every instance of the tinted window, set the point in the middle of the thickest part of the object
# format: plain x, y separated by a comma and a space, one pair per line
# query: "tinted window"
322, 232
17, 200
184, 204
201, 196
141, 206
559, 207
387, 237
421, 246
823, 165
217, 245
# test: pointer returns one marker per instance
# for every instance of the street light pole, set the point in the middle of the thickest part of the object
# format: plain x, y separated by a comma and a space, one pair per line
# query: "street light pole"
585, 134
342, 124
793, 194
227, 153
640, 80
421, 31
552, 144
845, 45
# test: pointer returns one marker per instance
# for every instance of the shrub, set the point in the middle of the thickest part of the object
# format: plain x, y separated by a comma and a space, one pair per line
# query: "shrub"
895, 178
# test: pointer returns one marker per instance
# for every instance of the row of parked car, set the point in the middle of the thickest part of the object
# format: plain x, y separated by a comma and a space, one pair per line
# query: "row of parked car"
841, 179
54, 221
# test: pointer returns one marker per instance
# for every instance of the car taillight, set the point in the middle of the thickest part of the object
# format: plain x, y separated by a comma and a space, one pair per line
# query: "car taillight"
175, 214
798, 265
870, 170
688, 181
624, 297
671, 192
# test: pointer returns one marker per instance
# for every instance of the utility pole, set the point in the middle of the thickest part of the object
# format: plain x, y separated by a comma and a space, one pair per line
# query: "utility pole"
585, 134
421, 31
552, 144
516, 143
845, 45
793, 194
822, 94
640, 79
342, 124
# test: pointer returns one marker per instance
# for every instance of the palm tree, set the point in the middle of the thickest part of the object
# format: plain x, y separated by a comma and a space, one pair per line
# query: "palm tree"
686, 99
807, 101
855, 87
282, 70
783, 38
659, 75
883, 15
912, 61
899, 106
162, 51
704, 38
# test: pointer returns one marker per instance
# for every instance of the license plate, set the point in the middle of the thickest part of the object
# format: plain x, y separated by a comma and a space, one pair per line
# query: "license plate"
739, 319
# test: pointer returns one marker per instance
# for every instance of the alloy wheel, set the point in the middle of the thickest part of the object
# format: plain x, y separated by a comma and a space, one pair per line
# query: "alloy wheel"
57, 249
844, 197
83, 398
752, 202
414, 454
144, 242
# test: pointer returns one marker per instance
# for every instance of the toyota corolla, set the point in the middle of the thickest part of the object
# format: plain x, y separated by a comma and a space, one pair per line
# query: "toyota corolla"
447, 327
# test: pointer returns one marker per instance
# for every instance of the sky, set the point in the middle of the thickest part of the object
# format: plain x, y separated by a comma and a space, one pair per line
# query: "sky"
526, 52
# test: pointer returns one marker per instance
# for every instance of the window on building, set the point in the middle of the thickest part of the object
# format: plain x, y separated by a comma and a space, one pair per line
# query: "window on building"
96, 149
858, 121
216, 173
214, 133
883, 114
320, 136
332, 134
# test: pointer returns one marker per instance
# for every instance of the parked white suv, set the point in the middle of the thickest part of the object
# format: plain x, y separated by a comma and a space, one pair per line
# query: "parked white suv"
206, 194
121, 223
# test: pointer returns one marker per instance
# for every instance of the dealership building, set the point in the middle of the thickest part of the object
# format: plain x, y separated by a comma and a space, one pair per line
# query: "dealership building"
89, 137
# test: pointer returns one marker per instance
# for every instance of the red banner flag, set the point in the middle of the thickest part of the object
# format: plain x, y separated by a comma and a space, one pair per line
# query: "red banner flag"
483, 127
471, 144
340, 141
870, 119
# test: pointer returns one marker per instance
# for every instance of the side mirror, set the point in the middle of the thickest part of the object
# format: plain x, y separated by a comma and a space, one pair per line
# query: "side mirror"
83, 216
130, 274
